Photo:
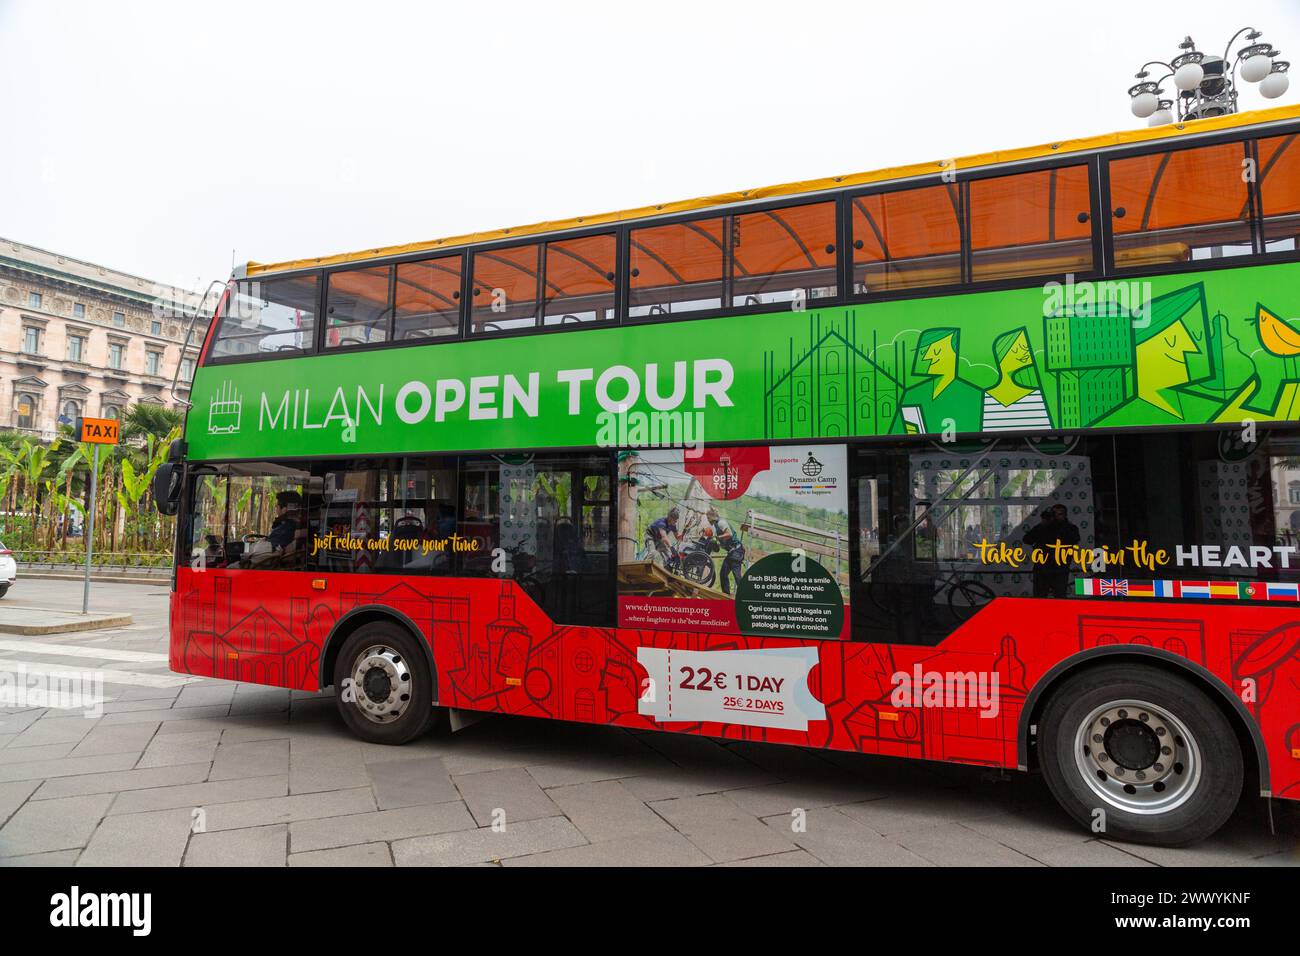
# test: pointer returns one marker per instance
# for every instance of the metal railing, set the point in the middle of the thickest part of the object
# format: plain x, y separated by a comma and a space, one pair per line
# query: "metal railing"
75, 560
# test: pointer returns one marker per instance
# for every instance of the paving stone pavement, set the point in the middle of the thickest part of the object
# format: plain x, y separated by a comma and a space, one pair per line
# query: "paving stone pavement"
211, 773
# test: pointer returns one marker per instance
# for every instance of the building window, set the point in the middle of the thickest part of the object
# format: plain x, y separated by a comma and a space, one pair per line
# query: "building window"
78, 310
152, 362
115, 355
113, 411
155, 327
31, 340
33, 300
26, 411
187, 370
71, 411
76, 348
119, 320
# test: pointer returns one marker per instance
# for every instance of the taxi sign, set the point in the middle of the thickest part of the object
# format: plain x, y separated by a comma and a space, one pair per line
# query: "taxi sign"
98, 431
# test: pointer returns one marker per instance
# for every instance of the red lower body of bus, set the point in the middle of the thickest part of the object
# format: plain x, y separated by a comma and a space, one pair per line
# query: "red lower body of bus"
495, 650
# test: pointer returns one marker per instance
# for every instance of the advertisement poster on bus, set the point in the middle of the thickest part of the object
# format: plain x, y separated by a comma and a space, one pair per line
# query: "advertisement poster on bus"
750, 539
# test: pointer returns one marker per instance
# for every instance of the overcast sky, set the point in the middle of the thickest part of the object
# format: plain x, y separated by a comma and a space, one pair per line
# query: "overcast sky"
159, 138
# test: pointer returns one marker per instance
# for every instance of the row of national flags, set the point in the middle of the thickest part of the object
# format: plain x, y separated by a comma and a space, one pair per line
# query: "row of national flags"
1195, 590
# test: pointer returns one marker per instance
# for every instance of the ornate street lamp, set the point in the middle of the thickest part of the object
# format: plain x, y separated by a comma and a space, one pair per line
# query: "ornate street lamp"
1206, 83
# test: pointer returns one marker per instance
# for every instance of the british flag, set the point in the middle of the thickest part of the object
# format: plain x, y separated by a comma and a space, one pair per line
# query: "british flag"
1113, 586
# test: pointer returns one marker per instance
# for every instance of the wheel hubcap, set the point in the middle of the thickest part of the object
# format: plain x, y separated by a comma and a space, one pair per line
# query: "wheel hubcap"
1137, 757
381, 682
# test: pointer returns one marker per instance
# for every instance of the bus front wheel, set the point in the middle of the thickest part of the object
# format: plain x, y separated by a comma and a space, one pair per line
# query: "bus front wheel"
1140, 755
383, 686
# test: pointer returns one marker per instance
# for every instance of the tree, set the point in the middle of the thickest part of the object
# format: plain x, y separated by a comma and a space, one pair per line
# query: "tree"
143, 422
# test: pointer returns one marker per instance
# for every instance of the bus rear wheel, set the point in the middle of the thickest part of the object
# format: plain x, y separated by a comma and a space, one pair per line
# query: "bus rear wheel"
1140, 755
383, 686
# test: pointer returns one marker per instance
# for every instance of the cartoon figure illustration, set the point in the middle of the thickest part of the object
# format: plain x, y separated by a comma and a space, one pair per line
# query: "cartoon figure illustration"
1113, 355
945, 399
1016, 400
1168, 355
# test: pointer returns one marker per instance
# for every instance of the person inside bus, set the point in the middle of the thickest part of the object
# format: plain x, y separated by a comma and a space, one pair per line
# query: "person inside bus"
661, 537
1052, 575
734, 552
283, 546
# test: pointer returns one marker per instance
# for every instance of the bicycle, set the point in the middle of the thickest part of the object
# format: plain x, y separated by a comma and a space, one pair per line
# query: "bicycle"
962, 595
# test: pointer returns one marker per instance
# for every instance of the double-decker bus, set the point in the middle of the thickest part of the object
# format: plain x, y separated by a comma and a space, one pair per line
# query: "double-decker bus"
992, 461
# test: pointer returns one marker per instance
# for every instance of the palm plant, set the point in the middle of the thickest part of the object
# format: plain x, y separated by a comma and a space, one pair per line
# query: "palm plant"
143, 422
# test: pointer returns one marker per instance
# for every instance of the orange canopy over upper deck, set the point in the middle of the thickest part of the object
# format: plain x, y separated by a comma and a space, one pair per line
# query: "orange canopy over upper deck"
1089, 144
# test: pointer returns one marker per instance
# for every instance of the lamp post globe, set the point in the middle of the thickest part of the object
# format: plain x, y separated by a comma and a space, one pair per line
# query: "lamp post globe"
1274, 85
1188, 76
1254, 68
1144, 104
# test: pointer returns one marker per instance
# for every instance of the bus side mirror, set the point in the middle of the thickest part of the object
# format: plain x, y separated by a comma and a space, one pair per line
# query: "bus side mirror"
167, 488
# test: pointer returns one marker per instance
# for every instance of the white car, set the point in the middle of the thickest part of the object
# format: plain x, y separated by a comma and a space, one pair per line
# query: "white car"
8, 570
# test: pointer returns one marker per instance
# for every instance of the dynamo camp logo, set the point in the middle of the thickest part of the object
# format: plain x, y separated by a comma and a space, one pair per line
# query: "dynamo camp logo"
807, 476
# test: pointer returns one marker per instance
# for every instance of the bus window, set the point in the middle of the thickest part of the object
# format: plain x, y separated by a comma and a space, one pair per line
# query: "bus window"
784, 255
1031, 224
1279, 184
427, 299
550, 515
580, 277
207, 522
383, 516
274, 316
676, 269
250, 516
929, 520
356, 306
1183, 205
941, 532
909, 239
505, 289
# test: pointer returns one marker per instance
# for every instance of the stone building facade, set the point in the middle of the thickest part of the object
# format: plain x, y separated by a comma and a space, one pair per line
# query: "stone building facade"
78, 338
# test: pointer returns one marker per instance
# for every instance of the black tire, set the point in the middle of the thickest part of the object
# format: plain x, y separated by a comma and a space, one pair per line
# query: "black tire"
1199, 781
4, 589
402, 672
